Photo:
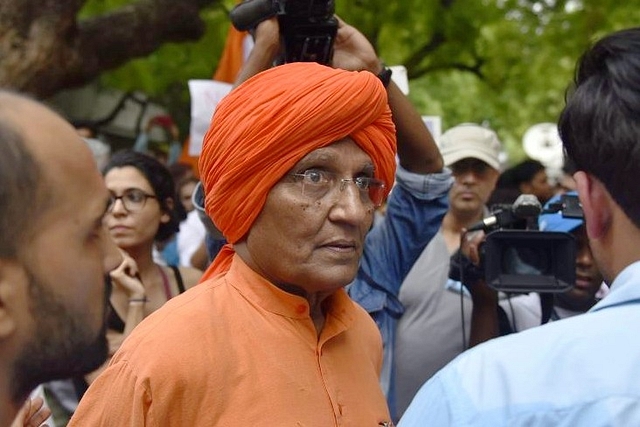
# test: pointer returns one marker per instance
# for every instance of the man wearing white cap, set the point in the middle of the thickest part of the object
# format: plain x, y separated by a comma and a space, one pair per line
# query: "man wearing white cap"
430, 332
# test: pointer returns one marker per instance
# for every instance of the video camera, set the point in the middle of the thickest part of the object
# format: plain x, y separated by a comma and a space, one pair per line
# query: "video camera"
518, 257
307, 27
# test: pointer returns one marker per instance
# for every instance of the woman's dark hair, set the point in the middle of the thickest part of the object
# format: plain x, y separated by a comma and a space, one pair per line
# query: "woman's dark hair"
160, 180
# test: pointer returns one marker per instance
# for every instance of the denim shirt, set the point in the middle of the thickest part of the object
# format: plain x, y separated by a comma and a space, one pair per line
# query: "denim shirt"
415, 209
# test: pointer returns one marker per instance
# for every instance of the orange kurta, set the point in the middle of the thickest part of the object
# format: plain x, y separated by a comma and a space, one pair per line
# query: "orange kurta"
238, 351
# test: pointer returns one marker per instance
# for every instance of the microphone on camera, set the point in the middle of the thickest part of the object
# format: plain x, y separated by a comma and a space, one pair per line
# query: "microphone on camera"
525, 206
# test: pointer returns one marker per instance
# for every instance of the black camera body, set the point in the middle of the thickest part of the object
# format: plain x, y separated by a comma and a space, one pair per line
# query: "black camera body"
307, 27
530, 261
517, 257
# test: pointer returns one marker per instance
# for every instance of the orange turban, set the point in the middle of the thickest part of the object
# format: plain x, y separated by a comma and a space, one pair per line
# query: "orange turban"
262, 128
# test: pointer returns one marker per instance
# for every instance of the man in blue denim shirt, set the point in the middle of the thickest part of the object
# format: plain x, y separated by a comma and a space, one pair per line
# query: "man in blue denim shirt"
416, 217
413, 216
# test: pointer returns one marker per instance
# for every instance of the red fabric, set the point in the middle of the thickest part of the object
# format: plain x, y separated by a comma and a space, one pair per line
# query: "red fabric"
266, 125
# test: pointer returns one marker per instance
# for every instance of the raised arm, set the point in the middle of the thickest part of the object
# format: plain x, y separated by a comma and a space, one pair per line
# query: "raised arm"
417, 150
266, 46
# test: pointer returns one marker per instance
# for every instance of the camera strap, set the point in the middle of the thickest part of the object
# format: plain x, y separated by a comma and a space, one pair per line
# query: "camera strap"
546, 306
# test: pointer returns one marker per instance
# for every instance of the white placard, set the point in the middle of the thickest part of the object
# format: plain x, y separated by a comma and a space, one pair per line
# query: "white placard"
399, 77
205, 96
434, 124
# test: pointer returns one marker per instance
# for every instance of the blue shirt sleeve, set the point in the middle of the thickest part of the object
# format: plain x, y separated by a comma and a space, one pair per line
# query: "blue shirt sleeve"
414, 214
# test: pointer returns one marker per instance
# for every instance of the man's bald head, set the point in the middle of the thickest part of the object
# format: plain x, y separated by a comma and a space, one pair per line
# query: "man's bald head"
27, 151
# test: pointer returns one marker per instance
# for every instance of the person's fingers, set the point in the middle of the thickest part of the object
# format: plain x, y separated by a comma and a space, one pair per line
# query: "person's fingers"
33, 413
39, 418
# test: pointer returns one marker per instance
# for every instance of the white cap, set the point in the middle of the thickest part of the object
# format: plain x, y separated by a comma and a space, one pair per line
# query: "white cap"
470, 140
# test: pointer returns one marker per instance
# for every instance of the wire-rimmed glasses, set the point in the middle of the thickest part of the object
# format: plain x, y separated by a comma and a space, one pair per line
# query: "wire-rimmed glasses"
317, 183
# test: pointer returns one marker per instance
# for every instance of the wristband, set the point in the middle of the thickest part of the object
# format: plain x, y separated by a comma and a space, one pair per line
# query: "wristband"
385, 76
138, 300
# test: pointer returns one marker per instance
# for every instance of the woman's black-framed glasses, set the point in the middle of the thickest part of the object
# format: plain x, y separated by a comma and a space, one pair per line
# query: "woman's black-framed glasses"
133, 200
317, 183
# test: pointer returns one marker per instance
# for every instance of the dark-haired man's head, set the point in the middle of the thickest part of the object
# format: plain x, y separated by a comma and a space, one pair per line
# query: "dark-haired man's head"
600, 132
528, 177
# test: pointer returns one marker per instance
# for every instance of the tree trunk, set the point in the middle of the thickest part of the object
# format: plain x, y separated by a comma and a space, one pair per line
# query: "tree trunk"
44, 48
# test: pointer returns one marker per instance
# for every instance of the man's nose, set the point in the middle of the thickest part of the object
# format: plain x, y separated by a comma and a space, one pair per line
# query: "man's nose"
349, 204
112, 254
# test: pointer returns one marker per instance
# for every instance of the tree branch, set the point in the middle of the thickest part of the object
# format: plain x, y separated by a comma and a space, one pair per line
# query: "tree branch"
48, 50
475, 69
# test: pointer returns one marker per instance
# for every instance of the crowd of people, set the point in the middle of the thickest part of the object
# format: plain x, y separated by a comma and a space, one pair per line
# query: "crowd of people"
303, 275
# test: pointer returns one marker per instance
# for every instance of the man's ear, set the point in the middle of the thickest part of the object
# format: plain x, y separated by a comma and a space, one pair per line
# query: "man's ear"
525, 188
596, 204
13, 296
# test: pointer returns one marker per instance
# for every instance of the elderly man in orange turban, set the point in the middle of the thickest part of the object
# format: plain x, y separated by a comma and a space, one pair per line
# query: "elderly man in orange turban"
295, 162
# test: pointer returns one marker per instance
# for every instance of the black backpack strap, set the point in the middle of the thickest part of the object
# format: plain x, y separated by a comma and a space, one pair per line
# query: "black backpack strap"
176, 272
546, 306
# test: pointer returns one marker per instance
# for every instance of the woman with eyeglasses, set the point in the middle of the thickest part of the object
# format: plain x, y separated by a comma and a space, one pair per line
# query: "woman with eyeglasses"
142, 211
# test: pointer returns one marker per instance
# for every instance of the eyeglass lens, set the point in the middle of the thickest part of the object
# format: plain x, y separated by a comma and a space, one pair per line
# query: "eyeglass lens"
132, 199
317, 184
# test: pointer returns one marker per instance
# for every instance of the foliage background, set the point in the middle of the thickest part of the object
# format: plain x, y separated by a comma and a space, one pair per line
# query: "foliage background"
504, 63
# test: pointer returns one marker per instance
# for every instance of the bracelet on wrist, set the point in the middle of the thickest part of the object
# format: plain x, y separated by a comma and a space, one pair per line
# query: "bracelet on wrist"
385, 76
138, 300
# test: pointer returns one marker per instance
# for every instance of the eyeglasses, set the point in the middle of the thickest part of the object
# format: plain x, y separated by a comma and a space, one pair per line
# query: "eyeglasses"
132, 199
317, 183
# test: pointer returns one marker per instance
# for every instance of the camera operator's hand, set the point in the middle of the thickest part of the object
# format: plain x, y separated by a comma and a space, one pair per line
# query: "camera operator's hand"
266, 37
470, 244
352, 50
484, 317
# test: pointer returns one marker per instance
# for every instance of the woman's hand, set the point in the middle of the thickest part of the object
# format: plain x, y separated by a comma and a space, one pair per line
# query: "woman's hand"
32, 414
126, 277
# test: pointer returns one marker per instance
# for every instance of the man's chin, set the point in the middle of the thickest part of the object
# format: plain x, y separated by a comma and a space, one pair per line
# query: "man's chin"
43, 363
91, 358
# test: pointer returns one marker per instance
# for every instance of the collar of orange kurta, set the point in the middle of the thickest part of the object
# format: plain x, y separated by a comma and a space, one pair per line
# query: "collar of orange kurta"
261, 292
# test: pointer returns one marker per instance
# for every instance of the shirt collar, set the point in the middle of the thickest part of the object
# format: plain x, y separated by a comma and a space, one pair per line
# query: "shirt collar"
265, 294
624, 289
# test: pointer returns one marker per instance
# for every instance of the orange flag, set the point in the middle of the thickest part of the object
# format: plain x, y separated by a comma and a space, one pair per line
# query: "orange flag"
232, 56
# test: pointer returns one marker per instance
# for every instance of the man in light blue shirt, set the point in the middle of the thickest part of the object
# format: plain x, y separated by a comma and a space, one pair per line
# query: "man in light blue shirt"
581, 371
